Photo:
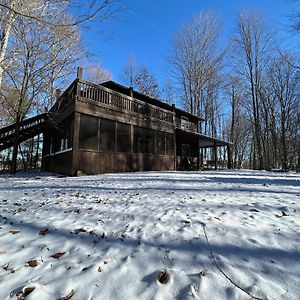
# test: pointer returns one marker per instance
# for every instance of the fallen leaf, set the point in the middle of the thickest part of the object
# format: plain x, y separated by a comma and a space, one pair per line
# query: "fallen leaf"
25, 292
14, 231
44, 232
80, 230
163, 277
253, 210
67, 297
57, 255
32, 263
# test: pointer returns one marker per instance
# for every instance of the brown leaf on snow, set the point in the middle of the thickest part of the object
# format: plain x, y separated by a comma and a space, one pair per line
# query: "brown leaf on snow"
67, 297
25, 292
163, 277
202, 273
57, 255
14, 231
80, 230
44, 232
32, 263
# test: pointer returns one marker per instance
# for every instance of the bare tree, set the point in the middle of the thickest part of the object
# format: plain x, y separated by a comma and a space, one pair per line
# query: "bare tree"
285, 88
97, 74
169, 92
238, 127
252, 47
40, 57
195, 59
44, 13
140, 78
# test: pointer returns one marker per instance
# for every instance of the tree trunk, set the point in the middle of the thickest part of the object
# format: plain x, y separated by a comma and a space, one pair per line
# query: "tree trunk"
15, 146
4, 38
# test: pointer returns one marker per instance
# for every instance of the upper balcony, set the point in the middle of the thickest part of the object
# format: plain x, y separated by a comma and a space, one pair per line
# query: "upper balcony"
107, 98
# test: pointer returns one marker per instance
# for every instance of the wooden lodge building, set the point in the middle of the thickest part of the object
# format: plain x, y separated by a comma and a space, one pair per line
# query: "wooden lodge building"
111, 128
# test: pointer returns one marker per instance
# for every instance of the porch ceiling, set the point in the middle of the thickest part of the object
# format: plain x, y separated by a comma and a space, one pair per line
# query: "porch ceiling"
204, 140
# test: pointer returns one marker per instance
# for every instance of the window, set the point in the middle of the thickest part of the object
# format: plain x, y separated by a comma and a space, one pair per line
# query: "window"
185, 123
123, 137
160, 143
107, 135
88, 132
169, 144
143, 140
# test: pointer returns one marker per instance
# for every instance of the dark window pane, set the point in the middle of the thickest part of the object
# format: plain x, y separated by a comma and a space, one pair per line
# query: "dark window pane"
169, 144
186, 151
88, 132
138, 143
123, 137
149, 141
160, 143
107, 135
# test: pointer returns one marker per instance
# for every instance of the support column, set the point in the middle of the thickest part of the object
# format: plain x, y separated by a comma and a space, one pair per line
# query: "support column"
198, 154
229, 157
75, 145
215, 156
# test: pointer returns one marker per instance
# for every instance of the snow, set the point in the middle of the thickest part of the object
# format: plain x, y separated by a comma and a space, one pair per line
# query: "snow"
217, 235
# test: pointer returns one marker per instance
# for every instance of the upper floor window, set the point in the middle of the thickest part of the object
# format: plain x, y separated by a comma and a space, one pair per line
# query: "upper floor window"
185, 123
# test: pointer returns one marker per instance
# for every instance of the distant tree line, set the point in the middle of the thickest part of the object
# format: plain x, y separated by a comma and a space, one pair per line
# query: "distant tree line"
247, 91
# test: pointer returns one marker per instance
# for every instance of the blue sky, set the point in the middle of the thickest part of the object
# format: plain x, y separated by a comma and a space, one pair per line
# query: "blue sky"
144, 29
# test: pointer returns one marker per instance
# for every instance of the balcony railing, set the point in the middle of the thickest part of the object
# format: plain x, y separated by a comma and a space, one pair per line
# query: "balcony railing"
107, 98
186, 125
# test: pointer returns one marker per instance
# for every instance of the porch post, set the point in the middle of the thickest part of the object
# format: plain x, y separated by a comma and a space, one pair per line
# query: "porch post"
198, 154
229, 164
215, 156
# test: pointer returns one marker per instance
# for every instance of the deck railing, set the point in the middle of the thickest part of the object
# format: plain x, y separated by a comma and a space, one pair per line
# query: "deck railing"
108, 98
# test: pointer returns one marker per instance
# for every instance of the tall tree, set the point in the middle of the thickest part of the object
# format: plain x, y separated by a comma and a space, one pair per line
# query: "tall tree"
285, 89
252, 47
39, 57
97, 74
140, 78
195, 60
44, 13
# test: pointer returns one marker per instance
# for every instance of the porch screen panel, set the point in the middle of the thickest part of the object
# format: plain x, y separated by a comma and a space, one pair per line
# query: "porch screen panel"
123, 137
88, 132
138, 140
169, 144
160, 143
107, 135
149, 139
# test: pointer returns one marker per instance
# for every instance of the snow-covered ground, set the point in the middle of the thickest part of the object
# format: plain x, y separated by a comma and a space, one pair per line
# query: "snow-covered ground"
213, 235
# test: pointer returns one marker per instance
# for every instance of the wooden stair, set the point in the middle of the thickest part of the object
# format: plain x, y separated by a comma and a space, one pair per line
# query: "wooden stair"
28, 129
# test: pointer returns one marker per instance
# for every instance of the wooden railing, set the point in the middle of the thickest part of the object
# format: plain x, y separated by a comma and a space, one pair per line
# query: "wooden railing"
64, 100
28, 123
28, 128
189, 126
105, 97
